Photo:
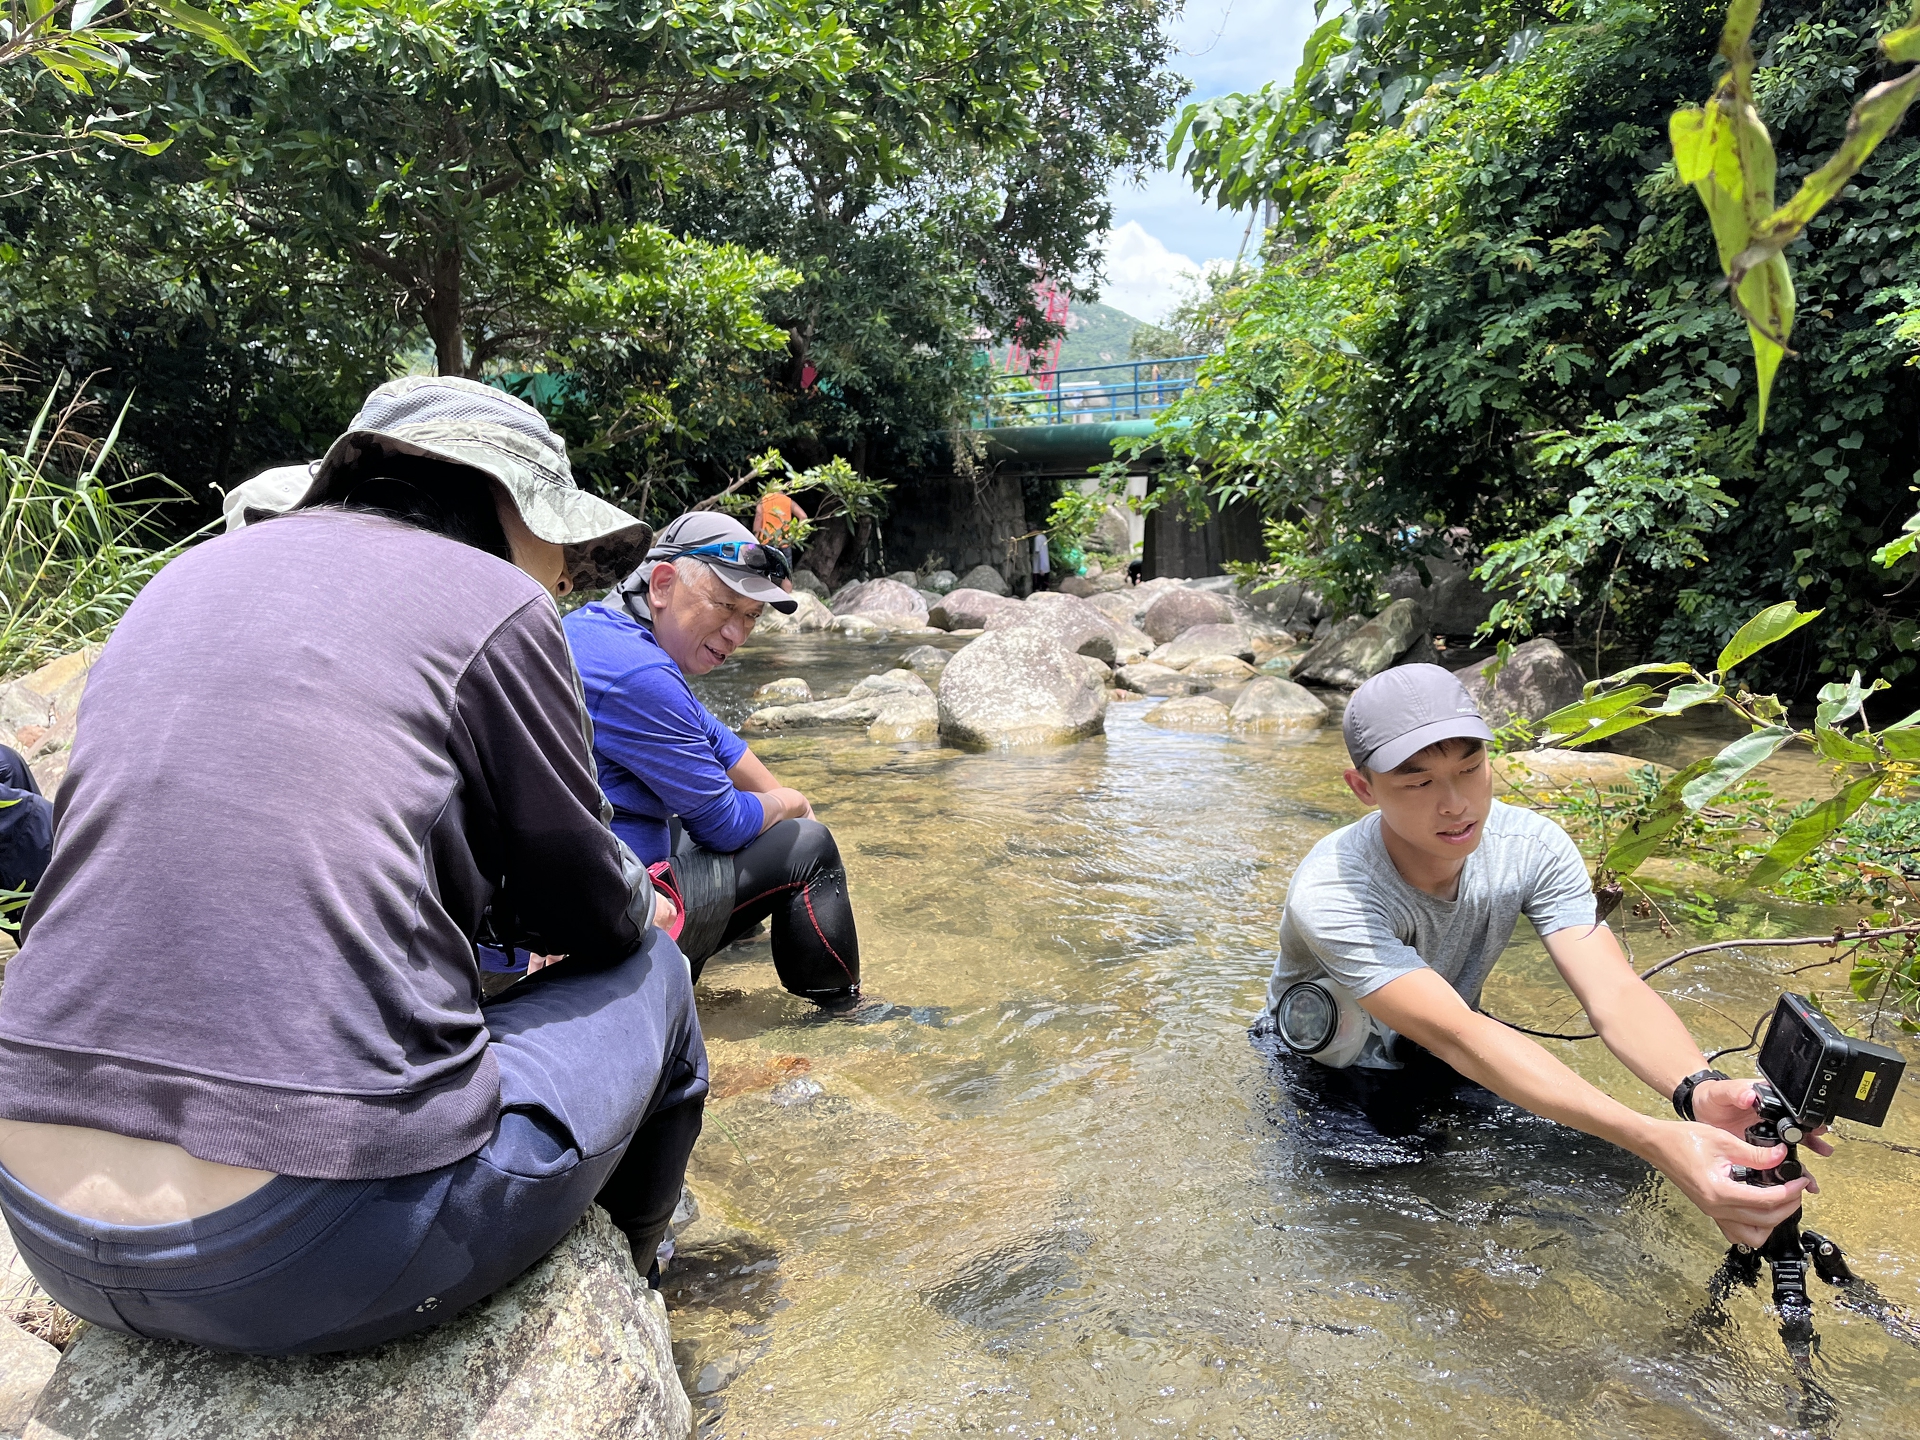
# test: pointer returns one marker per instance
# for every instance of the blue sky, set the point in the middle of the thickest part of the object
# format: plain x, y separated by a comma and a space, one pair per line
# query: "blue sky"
1162, 229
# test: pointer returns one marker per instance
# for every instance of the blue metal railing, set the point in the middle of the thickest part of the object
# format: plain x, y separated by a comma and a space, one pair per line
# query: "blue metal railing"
1137, 388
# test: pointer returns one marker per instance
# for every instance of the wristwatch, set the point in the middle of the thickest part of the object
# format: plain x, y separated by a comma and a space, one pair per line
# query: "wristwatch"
1683, 1092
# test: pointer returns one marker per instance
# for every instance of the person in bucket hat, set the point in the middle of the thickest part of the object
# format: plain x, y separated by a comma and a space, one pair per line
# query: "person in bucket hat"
249, 1097
689, 795
462, 423
1393, 923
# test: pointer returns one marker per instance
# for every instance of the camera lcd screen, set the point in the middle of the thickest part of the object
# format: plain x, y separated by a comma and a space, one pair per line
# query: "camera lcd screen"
1790, 1058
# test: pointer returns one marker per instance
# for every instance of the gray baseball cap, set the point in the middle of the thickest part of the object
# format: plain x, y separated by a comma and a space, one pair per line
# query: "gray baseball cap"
463, 422
1401, 711
709, 527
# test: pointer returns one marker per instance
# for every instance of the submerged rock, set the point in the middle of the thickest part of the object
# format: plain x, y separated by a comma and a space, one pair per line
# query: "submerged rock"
1177, 610
1537, 680
926, 661
904, 718
966, 608
1191, 712
984, 577
1350, 660
1017, 687
791, 690
577, 1347
1202, 641
1270, 703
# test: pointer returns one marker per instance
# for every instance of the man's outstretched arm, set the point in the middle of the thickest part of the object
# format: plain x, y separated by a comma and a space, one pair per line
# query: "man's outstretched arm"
1698, 1158
1638, 1026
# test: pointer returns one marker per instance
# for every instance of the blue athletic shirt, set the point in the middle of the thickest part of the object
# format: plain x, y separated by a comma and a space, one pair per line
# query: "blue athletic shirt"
660, 752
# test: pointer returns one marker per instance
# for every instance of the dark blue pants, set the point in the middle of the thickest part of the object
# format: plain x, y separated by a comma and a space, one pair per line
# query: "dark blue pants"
26, 824
603, 1075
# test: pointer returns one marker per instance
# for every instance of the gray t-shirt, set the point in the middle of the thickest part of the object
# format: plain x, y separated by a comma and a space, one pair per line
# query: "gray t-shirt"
1350, 916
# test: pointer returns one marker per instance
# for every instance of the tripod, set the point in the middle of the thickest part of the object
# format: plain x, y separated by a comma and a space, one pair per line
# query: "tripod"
1789, 1249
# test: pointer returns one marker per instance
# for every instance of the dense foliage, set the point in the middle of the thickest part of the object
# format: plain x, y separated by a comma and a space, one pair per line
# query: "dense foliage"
1498, 325
686, 230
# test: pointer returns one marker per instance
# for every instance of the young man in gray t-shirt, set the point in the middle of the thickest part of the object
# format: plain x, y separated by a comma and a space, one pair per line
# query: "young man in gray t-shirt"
1393, 922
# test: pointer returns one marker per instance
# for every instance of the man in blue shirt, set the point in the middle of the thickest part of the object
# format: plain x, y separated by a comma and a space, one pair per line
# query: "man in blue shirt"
686, 789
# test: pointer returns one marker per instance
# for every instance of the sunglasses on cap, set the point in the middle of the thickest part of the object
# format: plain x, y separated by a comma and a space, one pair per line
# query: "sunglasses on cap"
746, 554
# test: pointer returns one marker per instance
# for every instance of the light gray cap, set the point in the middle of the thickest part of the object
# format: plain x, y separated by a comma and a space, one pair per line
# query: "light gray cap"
463, 422
1401, 711
708, 527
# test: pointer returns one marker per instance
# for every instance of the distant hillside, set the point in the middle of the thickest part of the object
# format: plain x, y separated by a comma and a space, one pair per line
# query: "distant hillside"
1096, 335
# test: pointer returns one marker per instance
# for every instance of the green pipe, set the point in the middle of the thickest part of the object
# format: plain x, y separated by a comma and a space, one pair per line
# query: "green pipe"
1076, 445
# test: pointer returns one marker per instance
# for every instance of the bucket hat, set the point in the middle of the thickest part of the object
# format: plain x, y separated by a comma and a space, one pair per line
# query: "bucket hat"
443, 417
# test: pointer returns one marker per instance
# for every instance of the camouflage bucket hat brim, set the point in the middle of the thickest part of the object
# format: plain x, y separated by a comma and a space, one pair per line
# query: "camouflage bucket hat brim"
466, 423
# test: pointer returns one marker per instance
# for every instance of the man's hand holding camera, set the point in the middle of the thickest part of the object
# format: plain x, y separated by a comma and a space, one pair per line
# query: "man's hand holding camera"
1700, 1157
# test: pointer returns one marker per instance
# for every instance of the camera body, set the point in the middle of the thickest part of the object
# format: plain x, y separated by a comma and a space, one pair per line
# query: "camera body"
1821, 1075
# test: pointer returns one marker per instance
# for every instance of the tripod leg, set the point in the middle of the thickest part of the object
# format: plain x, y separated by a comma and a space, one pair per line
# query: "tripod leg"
1785, 1254
1829, 1261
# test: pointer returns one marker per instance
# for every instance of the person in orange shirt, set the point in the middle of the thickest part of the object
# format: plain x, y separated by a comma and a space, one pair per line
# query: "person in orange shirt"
773, 520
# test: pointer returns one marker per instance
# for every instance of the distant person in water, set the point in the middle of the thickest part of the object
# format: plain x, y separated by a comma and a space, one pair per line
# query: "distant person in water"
686, 790
1392, 924
26, 824
249, 1097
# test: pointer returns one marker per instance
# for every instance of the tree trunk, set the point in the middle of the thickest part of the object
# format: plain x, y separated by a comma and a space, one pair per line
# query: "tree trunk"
442, 312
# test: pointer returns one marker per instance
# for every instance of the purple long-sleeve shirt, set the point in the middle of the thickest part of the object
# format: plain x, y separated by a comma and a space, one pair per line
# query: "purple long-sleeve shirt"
311, 757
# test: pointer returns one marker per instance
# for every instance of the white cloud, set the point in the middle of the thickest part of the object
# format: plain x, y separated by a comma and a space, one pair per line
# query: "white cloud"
1144, 278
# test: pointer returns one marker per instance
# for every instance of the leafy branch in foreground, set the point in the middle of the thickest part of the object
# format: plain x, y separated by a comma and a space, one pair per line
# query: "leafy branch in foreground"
1723, 150
74, 552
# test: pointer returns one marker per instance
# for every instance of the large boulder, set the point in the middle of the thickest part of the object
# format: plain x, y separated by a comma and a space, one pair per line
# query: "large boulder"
1269, 703
908, 578
968, 609
1076, 624
1537, 680
1190, 712
792, 690
1119, 606
1291, 606
577, 1347
812, 584
1372, 647
1122, 645
1177, 610
1218, 670
984, 577
1202, 641
1543, 772
904, 718
1456, 603
26, 1364
1017, 687
940, 581
884, 601
1113, 533
1079, 586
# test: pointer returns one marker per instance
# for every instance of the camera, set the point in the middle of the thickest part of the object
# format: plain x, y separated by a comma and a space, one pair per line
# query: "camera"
1820, 1074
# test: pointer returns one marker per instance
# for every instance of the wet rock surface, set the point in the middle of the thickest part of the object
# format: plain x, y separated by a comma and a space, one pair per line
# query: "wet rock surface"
1190, 712
1146, 678
1018, 687
1268, 703
884, 601
926, 661
789, 690
1203, 641
575, 1348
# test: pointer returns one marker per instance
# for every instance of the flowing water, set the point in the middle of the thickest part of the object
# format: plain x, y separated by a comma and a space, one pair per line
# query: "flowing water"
1055, 1190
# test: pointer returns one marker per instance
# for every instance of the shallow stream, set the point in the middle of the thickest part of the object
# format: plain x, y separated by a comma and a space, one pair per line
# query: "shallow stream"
1056, 1191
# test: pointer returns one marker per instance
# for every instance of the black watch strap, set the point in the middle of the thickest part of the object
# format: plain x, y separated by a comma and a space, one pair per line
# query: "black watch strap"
1683, 1092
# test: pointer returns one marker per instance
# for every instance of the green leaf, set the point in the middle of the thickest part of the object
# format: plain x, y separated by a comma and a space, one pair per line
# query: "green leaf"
1683, 698
1775, 622
1843, 701
1645, 835
1667, 668
1626, 720
197, 22
1835, 746
1901, 744
1813, 828
1572, 719
84, 12
1732, 764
